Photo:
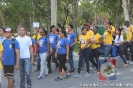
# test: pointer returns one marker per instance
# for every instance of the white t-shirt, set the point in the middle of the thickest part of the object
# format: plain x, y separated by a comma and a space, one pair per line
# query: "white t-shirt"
118, 40
24, 43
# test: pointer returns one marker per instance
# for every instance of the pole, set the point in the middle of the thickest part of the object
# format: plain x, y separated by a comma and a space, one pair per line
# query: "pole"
54, 12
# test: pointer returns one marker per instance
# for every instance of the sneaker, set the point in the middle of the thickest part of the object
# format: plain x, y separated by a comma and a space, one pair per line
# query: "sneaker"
56, 69
77, 75
72, 70
125, 65
67, 76
131, 62
91, 68
39, 77
128, 61
45, 75
29, 86
58, 79
82, 68
87, 74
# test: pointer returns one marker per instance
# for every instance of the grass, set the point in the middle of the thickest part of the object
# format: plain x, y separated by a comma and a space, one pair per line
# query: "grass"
76, 49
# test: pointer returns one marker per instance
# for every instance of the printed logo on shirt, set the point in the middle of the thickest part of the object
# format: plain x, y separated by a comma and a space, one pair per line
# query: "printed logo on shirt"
82, 40
104, 36
41, 43
58, 44
51, 39
10, 46
68, 37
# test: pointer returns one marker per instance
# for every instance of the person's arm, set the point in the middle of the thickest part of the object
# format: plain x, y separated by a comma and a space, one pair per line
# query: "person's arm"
131, 37
67, 53
1, 54
75, 41
17, 51
34, 45
121, 40
48, 50
56, 52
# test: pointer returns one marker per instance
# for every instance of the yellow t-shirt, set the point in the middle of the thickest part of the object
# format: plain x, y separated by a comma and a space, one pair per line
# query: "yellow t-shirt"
112, 29
129, 33
96, 38
38, 37
108, 38
83, 39
1, 49
90, 33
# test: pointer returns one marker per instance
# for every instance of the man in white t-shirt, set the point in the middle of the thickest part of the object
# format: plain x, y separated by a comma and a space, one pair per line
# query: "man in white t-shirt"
25, 50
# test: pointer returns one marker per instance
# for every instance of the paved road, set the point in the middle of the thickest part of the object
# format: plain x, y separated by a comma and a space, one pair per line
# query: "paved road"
125, 76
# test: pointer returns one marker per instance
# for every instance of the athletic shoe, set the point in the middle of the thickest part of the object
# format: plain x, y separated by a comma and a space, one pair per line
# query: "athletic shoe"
131, 62
72, 70
125, 65
45, 75
67, 76
56, 69
128, 61
39, 77
29, 86
91, 68
87, 74
81, 68
77, 75
58, 79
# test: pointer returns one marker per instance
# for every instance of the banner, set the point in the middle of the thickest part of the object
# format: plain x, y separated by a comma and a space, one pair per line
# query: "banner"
107, 69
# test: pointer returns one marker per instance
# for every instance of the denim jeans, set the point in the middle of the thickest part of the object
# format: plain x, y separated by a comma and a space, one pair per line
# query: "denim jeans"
24, 69
121, 53
107, 50
84, 54
71, 58
126, 45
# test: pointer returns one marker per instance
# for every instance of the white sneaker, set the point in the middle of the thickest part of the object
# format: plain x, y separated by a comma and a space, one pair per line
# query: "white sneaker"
131, 62
128, 61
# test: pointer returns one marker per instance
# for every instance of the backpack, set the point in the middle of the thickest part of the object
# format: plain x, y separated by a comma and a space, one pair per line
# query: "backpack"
13, 44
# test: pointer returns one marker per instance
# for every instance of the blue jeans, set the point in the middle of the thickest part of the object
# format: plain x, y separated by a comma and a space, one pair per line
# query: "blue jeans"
121, 53
107, 50
84, 54
71, 58
24, 68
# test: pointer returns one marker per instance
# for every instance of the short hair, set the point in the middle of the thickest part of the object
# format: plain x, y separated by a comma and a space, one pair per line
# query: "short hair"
21, 27
52, 28
57, 30
96, 27
3, 29
127, 22
71, 26
41, 28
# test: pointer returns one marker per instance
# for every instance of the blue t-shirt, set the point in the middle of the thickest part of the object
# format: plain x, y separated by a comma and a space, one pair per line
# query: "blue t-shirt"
71, 38
9, 57
2, 39
43, 45
61, 45
33, 41
52, 39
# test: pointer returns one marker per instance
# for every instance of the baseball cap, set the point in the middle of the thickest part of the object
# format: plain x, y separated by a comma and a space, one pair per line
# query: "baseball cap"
8, 30
88, 24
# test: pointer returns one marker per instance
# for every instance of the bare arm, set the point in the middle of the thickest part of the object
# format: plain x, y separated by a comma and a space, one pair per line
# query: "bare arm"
17, 51
31, 52
1, 54
34, 48
75, 41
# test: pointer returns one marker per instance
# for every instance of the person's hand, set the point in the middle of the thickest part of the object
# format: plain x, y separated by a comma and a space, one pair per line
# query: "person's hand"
92, 41
67, 58
55, 55
32, 61
16, 67
114, 44
78, 53
83, 48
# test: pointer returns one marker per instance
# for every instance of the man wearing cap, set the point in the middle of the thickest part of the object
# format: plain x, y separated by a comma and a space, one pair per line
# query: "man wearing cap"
72, 41
10, 57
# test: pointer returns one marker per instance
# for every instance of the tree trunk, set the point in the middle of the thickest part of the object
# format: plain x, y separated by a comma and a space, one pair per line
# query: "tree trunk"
75, 11
126, 13
2, 19
130, 10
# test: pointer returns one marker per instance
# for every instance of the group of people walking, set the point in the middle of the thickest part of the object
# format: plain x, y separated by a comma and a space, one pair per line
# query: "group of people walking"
58, 46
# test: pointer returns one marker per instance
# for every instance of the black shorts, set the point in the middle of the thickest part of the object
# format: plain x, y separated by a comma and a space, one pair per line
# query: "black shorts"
9, 71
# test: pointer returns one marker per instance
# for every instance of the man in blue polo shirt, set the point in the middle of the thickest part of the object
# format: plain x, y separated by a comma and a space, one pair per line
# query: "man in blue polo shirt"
11, 56
72, 41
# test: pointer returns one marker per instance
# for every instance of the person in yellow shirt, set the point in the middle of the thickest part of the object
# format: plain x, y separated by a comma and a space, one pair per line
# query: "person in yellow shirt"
95, 41
1, 55
129, 42
108, 36
84, 52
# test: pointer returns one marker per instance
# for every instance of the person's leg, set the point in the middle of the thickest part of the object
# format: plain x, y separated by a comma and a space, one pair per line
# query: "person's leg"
54, 59
49, 64
71, 59
0, 76
96, 54
38, 62
41, 64
120, 51
45, 64
10, 82
87, 57
27, 70
107, 50
22, 73
125, 51
92, 53
131, 51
